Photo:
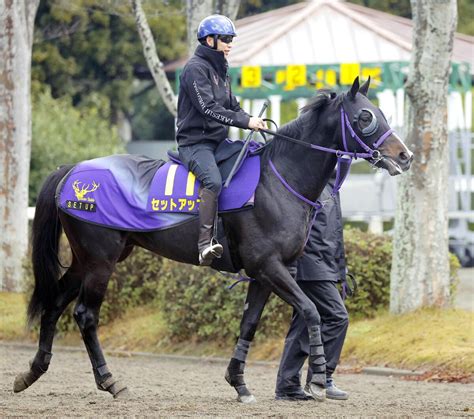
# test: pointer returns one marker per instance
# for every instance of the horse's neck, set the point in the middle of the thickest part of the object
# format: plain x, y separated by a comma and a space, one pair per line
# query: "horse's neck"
306, 170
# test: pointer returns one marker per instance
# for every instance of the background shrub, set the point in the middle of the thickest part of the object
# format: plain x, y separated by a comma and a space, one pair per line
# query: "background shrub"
63, 134
369, 260
197, 304
134, 283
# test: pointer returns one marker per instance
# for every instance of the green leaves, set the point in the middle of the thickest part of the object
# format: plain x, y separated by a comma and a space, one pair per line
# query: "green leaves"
89, 46
63, 134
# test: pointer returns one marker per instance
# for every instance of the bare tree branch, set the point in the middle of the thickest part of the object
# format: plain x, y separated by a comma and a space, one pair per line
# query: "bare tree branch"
154, 63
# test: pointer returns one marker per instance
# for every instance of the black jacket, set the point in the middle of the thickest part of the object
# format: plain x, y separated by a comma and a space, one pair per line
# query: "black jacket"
205, 103
324, 257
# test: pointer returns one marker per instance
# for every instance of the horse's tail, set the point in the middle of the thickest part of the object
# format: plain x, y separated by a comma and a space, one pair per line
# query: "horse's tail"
46, 233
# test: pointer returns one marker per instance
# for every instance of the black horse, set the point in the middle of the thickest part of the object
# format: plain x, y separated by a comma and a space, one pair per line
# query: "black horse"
267, 238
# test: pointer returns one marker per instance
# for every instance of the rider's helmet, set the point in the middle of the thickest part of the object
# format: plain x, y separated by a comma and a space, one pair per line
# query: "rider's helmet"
215, 25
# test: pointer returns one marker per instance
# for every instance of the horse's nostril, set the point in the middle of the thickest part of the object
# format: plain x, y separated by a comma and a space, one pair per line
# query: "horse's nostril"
404, 156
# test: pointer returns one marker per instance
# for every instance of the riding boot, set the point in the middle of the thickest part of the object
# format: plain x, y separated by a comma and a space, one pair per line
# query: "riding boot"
208, 246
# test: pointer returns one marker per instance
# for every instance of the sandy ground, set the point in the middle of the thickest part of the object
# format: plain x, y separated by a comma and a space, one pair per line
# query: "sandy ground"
164, 388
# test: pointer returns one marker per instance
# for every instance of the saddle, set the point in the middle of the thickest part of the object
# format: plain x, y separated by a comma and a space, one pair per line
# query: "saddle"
137, 193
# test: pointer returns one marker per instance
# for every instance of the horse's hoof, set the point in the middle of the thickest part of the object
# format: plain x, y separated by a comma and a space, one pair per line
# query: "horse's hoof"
115, 387
316, 391
20, 383
124, 394
247, 399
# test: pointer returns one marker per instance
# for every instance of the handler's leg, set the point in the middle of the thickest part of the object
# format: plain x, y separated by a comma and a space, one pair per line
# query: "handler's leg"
294, 355
257, 296
335, 321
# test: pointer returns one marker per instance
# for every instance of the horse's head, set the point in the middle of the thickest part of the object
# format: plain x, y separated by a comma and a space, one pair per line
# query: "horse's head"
370, 131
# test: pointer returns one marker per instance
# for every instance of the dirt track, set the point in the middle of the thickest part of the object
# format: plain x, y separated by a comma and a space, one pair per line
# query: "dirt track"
181, 388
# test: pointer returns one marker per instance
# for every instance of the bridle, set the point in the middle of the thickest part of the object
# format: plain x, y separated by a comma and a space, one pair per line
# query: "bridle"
370, 153
344, 157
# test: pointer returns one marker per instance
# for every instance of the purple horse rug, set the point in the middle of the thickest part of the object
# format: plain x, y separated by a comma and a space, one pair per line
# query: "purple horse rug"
140, 194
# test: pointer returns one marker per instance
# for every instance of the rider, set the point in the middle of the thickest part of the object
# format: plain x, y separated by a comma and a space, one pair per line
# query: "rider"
205, 105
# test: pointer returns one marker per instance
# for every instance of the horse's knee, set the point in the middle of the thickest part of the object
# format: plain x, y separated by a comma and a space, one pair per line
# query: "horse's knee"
84, 317
311, 315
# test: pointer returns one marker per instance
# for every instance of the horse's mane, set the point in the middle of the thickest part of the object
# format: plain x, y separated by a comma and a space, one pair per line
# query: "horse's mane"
305, 124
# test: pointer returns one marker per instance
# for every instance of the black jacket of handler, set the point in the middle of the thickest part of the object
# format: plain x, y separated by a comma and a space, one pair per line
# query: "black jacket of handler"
318, 271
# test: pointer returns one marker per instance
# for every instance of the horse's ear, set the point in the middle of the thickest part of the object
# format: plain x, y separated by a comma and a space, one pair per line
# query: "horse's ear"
365, 87
354, 88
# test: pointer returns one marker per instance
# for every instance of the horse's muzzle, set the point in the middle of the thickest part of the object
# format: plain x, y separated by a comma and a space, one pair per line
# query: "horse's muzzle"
396, 157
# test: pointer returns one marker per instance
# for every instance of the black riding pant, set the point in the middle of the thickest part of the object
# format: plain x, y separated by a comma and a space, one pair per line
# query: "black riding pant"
334, 323
199, 159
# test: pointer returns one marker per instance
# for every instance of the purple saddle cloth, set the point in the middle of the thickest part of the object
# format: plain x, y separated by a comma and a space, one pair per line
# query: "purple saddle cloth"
140, 194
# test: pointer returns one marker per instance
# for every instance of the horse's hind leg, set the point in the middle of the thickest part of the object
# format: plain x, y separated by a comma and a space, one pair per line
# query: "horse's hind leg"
69, 286
257, 296
86, 314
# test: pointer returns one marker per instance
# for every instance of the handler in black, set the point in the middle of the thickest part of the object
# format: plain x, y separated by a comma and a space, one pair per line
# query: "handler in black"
318, 270
205, 106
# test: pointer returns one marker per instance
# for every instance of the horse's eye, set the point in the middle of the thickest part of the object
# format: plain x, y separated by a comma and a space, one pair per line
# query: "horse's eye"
365, 117
366, 122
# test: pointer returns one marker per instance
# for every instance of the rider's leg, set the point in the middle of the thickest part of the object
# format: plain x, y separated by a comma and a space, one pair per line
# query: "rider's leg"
200, 160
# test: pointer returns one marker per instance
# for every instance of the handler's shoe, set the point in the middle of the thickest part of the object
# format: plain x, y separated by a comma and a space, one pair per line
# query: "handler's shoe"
334, 393
294, 396
318, 393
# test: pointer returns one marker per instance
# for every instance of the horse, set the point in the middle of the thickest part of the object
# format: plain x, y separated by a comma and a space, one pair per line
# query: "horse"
267, 239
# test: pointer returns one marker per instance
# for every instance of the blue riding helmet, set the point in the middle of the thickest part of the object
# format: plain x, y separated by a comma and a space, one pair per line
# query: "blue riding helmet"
215, 25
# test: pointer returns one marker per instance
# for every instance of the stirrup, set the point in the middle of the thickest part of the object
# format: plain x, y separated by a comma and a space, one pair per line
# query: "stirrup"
214, 250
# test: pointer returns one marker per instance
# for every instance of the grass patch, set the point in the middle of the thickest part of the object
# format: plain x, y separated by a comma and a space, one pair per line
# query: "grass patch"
142, 329
423, 340
12, 316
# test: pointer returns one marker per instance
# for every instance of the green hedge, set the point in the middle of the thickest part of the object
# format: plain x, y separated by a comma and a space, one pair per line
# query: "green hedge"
64, 134
196, 302
133, 283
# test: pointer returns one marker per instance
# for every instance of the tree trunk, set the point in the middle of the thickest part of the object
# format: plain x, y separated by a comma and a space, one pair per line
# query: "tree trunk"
152, 58
16, 40
228, 8
196, 10
420, 264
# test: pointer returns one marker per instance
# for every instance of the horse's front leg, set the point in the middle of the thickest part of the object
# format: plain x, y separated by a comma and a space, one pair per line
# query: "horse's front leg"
257, 296
276, 275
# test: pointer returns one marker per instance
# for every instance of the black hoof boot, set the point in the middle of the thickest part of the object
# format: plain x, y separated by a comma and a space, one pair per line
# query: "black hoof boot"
234, 375
107, 382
